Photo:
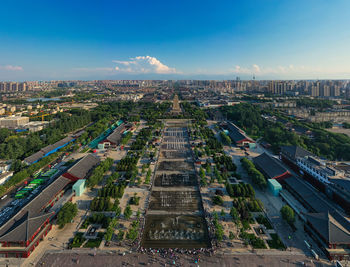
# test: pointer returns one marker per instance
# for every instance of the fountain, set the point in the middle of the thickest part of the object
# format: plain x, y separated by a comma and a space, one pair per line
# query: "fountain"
175, 195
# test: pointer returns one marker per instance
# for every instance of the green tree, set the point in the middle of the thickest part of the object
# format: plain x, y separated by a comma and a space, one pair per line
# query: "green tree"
231, 235
127, 212
66, 214
226, 140
222, 213
234, 214
120, 235
288, 214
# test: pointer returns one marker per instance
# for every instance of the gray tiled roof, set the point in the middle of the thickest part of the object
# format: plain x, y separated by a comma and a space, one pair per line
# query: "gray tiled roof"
333, 227
82, 168
25, 228
116, 136
345, 183
56, 145
295, 152
38, 155
34, 157
235, 133
308, 195
31, 216
269, 165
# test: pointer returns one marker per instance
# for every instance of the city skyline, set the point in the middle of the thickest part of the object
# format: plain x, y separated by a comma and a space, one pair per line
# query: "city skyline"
197, 40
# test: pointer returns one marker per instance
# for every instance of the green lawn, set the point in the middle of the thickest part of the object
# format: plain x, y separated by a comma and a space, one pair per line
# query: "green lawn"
276, 242
77, 241
263, 220
93, 243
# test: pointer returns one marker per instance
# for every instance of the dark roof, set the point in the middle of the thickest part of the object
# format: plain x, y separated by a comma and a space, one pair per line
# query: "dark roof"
236, 134
47, 194
269, 165
82, 168
332, 226
78, 134
31, 216
116, 136
345, 183
34, 157
38, 155
295, 151
308, 195
62, 142
25, 228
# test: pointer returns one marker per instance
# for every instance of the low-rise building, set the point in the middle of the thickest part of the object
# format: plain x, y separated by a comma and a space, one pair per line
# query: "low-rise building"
13, 121
331, 178
5, 166
115, 137
238, 136
22, 233
4, 176
48, 150
82, 168
271, 167
329, 227
79, 187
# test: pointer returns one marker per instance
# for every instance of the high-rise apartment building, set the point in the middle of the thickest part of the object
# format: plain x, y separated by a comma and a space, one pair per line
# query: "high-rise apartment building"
335, 91
326, 91
12, 86
347, 93
314, 90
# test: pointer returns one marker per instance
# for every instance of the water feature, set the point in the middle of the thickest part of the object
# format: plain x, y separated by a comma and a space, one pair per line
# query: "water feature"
43, 99
175, 212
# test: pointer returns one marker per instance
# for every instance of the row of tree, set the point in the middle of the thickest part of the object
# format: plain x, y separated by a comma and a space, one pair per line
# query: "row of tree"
321, 142
112, 190
98, 172
66, 214
226, 161
21, 145
240, 190
25, 173
142, 138
257, 177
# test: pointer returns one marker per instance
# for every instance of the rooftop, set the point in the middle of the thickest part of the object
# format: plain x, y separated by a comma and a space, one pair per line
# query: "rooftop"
295, 151
334, 228
236, 134
116, 135
330, 223
269, 165
82, 168
31, 216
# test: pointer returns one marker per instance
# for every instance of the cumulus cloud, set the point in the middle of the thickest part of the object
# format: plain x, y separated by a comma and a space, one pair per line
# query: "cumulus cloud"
143, 64
242, 70
256, 68
11, 68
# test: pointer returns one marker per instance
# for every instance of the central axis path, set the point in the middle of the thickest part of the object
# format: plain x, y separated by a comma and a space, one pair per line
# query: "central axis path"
175, 215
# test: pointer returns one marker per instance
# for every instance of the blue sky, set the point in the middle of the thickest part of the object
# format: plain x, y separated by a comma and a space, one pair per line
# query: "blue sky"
273, 39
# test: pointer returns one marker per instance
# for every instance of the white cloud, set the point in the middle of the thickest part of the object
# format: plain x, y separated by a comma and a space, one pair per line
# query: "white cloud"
143, 64
256, 68
11, 68
242, 70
